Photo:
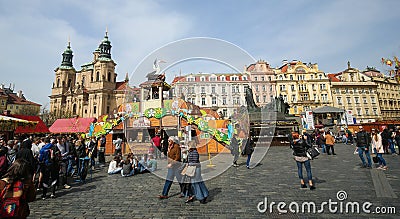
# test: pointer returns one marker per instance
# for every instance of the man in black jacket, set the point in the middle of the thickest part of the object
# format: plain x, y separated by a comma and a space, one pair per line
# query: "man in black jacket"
363, 141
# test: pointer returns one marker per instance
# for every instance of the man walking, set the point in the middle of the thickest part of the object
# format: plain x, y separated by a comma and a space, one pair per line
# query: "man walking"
156, 141
174, 162
363, 142
102, 150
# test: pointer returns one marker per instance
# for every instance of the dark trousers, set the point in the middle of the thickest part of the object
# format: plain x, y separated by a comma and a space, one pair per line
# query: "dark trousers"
102, 158
329, 148
50, 172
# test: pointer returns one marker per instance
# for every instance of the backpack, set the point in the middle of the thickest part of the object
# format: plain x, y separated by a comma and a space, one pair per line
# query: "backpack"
11, 197
45, 156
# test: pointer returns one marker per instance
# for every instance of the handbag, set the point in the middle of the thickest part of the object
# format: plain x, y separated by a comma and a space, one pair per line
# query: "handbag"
190, 171
183, 167
312, 153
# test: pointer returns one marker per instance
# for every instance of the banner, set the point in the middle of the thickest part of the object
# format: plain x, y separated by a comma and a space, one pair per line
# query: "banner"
309, 120
349, 117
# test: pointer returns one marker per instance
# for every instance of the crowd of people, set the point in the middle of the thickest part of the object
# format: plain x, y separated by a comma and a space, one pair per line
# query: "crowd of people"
375, 143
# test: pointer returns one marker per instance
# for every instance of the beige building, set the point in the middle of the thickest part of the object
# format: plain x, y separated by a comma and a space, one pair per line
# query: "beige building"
355, 91
16, 103
303, 86
262, 78
388, 91
91, 91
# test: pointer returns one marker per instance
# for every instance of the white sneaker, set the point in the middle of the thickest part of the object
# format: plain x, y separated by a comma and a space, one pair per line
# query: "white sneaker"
53, 183
66, 186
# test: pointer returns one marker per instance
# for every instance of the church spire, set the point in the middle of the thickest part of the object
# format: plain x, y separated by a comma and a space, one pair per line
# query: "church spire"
127, 77
67, 56
105, 47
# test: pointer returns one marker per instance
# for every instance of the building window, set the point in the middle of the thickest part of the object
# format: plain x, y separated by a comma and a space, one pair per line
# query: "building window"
293, 98
292, 87
264, 98
269, 78
257, 88
324, 97
225, 112
322, 87
339, 100
257, 98
58, 82
375, 110
285, 98
98, 76
313, 86
203, 101
262, 78
359, 111
282, 87
357, 100
255, 78
291, 77
224, 101
223, 89
214, 100
202, 78
213, 78
203, 90
348, 100
364, 100
222, 78
315, 97
213, 90
304, 97
109, 76
235, 89
95, 109
373, 100
190, 79
270, 87
366, 111
264, 88
234, 78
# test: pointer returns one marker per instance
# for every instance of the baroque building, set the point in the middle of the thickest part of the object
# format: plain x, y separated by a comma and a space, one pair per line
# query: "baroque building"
303, 86
222, 92
90, 92
262, 78
356, 91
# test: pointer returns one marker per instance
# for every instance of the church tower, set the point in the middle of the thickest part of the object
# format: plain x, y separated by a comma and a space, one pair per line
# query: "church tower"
64, 81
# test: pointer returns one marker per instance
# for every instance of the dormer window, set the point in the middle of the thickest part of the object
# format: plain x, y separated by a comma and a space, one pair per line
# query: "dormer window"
222, 78
202, 78
190, 79
244, 78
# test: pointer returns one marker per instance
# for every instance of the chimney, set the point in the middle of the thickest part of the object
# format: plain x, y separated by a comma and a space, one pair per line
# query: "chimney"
19, 94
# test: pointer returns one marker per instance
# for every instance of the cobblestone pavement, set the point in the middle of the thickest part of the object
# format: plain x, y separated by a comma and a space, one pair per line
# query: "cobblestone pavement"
235, 193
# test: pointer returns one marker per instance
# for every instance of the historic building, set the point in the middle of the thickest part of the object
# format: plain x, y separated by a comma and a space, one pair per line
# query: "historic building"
303, 86
90, 92
388, 91
16, 103
223, 93
355, 91
262, 78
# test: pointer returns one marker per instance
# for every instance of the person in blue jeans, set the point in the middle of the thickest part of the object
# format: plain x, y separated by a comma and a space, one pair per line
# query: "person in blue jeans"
377, 147
299, 147
174, 163
248, 150
363, 142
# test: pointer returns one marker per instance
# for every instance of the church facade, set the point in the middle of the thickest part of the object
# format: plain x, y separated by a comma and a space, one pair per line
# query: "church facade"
91, 91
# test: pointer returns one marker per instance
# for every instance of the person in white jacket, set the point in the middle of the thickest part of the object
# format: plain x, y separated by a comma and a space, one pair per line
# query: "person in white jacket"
113, 168
377, 148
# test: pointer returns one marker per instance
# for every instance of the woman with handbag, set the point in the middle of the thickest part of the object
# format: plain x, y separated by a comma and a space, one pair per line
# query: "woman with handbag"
377, 148
198, 188
300, 147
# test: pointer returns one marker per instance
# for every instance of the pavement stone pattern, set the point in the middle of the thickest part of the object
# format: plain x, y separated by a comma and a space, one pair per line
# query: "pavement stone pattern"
233, 194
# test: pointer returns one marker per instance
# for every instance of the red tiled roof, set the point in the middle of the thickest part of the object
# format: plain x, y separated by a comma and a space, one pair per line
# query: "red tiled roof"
122, 85
39, 128
177, 78
14, 99
333, 77
72, 125
284, 68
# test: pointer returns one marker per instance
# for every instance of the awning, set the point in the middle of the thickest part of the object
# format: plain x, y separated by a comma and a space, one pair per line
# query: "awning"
72, 125
10, 123
327, 109
39, 128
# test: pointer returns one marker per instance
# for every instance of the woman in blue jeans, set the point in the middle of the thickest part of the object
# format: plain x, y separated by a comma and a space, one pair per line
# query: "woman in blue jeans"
377, 148
300, 147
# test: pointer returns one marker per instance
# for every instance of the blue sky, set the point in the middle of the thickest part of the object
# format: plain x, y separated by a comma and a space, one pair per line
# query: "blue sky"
330, 33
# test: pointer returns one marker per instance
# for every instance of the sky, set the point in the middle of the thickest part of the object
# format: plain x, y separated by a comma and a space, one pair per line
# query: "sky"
35, 33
